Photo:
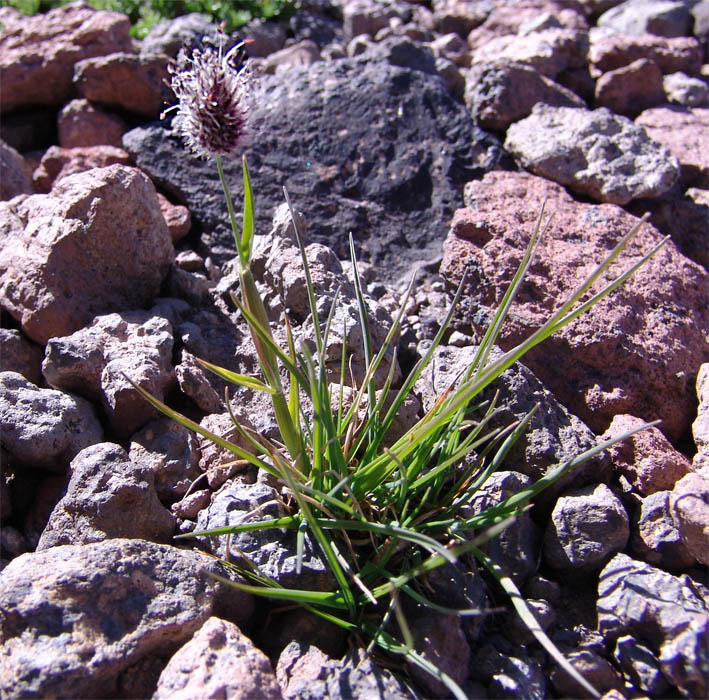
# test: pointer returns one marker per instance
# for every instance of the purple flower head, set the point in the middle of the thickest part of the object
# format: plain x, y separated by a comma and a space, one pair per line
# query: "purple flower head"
214, 99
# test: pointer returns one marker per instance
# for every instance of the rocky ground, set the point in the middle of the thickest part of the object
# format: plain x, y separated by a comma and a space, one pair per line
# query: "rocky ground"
433, 131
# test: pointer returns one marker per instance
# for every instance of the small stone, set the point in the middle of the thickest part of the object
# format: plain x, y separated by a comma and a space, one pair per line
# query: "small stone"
641, 667
684, 90
593, 152
646, 459
136, 83
631, 89
665, 613
219, 661
81, 123
689, 505
656, 538
44, 428
594, 668
190, 506
108, 496
588, 526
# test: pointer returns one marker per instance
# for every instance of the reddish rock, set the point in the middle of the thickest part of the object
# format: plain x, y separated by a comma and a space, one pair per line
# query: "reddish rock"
646, 460
304, 53
459, 16
37, 54
81, 123
638, 351
177, 218
548, 52
631, 89
671, 55
685, 132
97, 362
220, 661
502, 92
134, 83
98, 243
58, 163
507, 18
452, 47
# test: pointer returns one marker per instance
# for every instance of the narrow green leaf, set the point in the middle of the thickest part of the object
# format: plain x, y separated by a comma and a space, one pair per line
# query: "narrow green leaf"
247, 235
236, 378
520, 605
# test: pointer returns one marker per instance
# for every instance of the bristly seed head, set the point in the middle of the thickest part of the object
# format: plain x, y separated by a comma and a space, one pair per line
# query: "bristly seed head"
213, 94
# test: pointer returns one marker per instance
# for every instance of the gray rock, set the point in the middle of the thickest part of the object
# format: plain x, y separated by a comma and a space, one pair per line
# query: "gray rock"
169, 36
369, 16
68, 256
656, 538
689, 505
700, 427
15, 178
170, 452
665, 613
659, 17
641, 667
17, 354
219, 661
441, 640
74, 619
273, 551
684, 90
516, 549
108, 496
96, 360
588, 526
509, 674
44, 428
595, 153
499, 93
594, 668
517, 631
393, 182
306, 673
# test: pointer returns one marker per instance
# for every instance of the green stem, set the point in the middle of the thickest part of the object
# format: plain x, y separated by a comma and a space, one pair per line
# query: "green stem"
254, 303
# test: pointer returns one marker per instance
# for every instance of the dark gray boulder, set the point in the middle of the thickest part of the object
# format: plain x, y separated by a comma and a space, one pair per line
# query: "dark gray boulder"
362, 146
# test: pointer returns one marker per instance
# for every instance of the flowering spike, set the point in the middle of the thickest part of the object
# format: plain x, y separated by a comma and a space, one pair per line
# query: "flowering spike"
213, 99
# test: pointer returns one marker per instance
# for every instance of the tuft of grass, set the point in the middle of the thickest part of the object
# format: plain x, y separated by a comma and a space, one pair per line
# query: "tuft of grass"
385, 513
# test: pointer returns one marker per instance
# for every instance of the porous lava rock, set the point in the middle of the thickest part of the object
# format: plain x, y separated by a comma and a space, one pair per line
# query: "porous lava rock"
44, 428
137, 84
219, 661
593, 152
108, 496
98, 243
37, 54
363, 147
101, 360
635, 352
75, 619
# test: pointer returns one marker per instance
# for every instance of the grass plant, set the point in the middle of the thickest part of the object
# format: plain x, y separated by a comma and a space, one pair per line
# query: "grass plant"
384, 517
383, 511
